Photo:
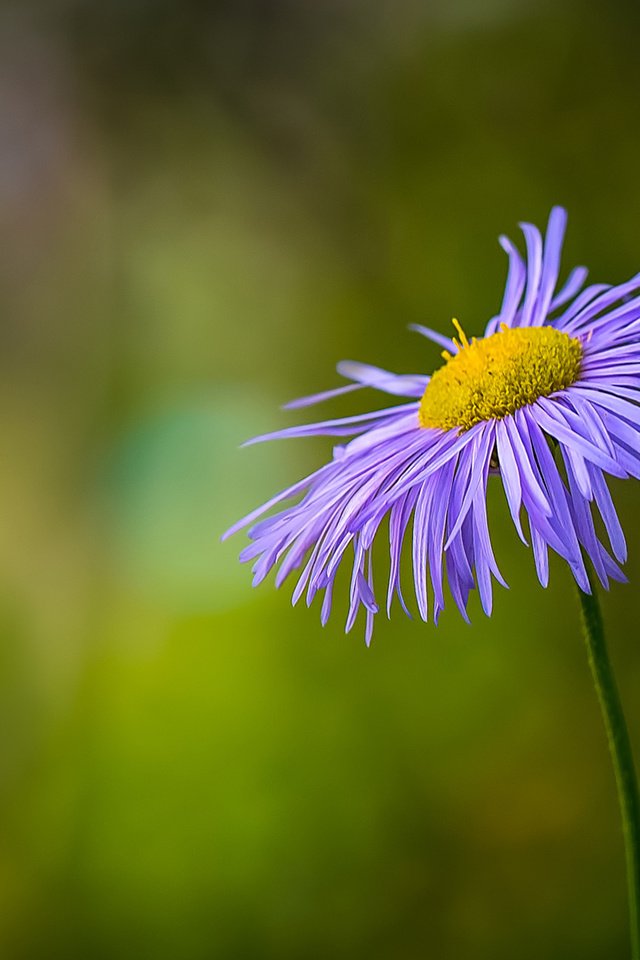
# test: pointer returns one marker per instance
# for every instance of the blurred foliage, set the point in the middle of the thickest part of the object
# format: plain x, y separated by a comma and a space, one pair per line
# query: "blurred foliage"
207, 205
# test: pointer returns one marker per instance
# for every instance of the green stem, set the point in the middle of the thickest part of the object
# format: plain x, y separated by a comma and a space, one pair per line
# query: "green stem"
621, 755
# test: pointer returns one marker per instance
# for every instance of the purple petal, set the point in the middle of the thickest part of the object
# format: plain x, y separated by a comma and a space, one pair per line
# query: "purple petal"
510, 476
534, 270
439, 338
516, 279
480, 453
550, 264
314, 398
575, 281
405, 385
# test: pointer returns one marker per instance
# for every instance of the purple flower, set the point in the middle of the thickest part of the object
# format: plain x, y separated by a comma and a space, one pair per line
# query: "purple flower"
547, 400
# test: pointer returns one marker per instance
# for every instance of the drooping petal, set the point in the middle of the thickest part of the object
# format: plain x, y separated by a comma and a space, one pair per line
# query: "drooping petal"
510, 476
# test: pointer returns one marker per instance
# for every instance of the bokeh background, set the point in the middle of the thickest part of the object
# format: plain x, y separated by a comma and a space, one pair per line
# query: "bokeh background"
203, 207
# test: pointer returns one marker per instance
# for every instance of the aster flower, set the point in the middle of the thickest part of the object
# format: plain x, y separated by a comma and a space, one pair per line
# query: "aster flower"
546, 401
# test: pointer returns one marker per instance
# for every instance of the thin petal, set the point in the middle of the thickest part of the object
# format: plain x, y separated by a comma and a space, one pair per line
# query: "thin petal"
550, 264
480, 453
344, 426
439, 338
575, 281
510, 476
516, 279
405, 385
534, 271
314, 398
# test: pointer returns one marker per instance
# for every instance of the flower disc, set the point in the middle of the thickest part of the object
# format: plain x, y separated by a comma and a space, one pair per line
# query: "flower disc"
491, 378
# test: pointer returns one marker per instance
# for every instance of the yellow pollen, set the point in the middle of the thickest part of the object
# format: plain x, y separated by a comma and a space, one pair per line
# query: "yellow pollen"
491, 378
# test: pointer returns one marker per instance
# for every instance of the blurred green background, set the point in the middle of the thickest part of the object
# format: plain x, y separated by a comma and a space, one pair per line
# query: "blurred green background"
205, 206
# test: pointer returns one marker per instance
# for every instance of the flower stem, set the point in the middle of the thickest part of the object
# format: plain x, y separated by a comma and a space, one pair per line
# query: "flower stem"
620, 750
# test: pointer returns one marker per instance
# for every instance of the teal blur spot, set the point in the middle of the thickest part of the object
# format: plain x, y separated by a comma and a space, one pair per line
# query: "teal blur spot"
176, 481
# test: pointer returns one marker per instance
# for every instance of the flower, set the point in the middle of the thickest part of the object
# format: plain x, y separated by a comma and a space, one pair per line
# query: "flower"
548, 400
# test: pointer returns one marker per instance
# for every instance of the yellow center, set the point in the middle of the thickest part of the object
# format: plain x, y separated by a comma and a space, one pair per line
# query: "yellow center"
491, 378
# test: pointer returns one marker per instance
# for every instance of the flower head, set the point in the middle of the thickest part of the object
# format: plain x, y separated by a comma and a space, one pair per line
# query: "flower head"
547, 400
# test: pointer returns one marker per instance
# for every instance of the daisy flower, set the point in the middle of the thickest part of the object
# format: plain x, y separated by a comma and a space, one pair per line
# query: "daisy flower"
545, 402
